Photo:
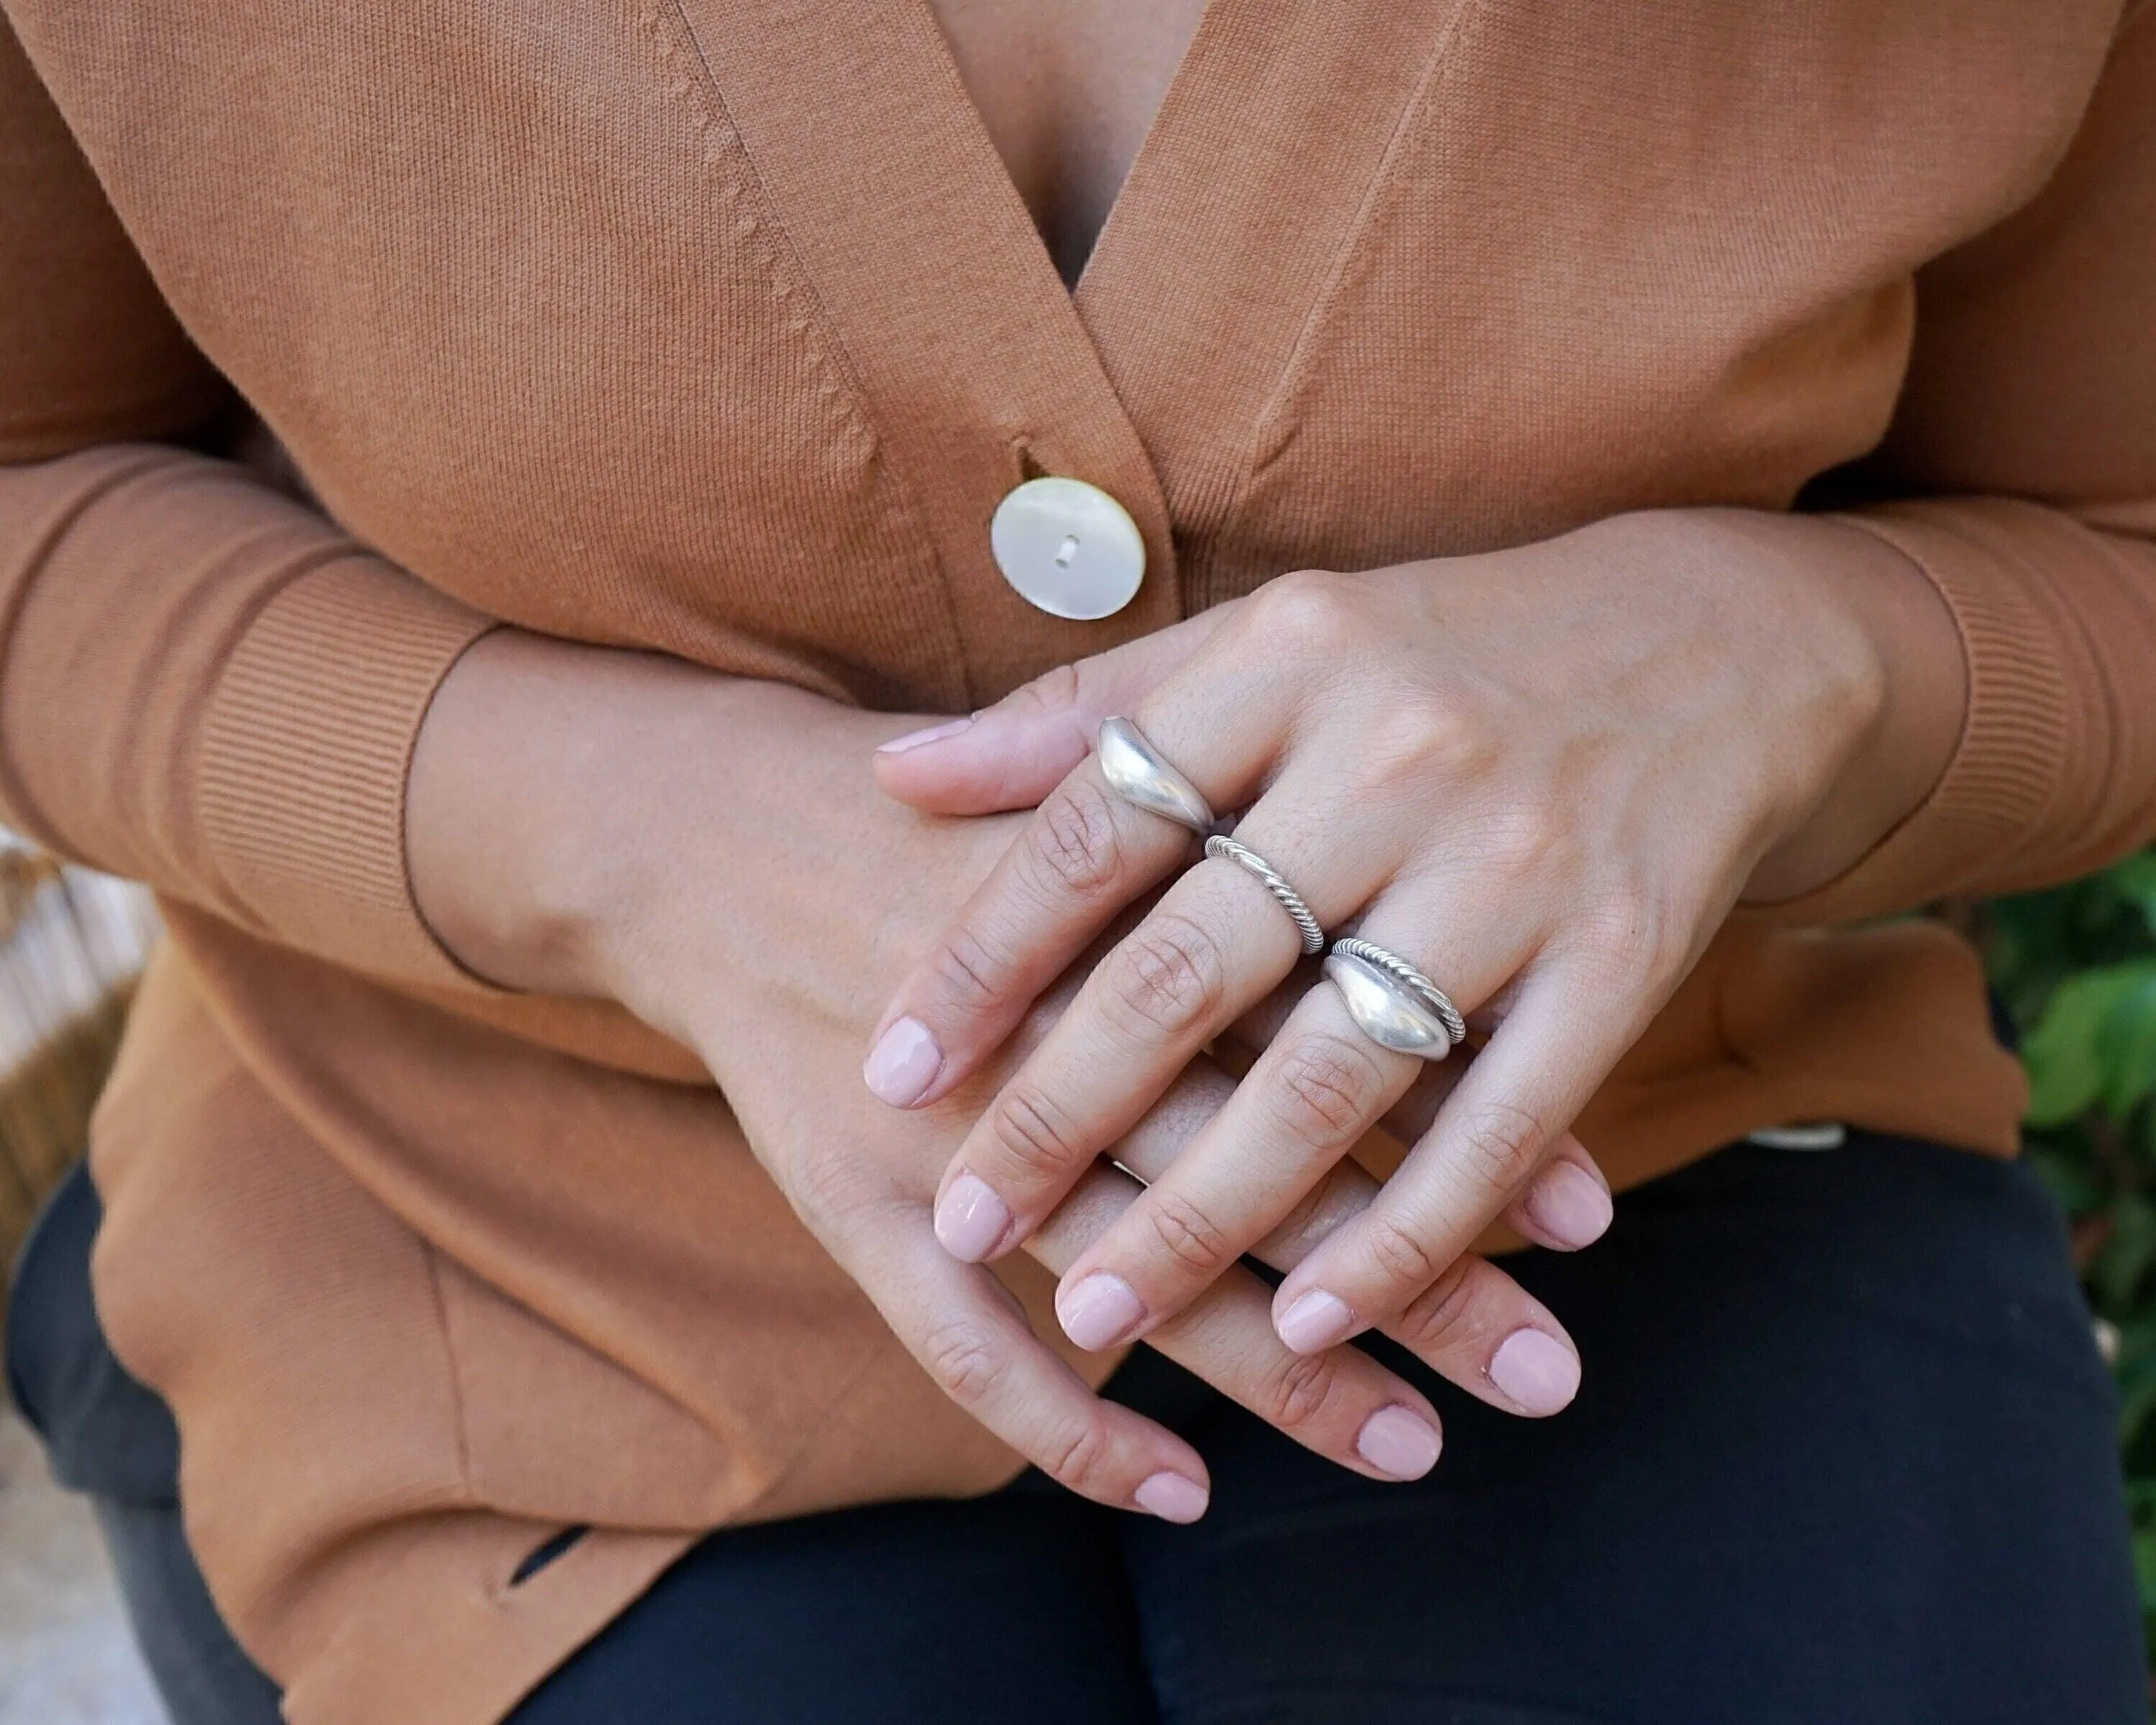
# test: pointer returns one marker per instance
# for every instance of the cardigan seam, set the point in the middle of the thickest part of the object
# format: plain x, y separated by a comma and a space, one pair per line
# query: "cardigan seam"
776, 244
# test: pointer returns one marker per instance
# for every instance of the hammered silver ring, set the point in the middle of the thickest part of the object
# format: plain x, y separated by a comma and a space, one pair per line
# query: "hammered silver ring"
1140, 774
1313, 938
1431, 996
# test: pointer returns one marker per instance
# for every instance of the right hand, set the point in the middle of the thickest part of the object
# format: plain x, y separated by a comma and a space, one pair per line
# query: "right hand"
713, 854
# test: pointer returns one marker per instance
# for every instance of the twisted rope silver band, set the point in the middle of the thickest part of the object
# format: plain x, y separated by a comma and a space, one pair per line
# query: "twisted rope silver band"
1290, 901
1397, 968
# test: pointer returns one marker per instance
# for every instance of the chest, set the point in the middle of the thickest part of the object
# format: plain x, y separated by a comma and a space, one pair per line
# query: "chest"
721, 327
1066, 90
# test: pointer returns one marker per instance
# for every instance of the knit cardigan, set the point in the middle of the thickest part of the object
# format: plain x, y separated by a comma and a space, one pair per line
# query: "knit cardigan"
717, 329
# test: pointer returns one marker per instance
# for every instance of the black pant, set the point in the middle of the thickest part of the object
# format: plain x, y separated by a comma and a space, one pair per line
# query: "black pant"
1845, 1454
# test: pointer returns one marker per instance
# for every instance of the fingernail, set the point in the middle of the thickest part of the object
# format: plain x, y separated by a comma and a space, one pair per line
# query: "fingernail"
1399, 1442
1569, 1205
1099, 1312
1171, 1497
903, 1064
1314, 1321
927, 733
1538, 1371
970, 1219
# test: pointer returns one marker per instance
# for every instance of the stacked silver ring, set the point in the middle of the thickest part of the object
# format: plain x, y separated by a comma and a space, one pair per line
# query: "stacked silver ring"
1313, 938
1142, 776
1393, 1004
1137, 772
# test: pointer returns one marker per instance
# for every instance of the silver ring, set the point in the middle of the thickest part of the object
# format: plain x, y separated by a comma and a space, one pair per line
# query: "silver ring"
1290, 901
1408, 978
1136, 772
1383, 1009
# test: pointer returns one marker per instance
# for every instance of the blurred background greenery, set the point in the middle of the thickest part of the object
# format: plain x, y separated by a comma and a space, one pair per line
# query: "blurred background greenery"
2076, 967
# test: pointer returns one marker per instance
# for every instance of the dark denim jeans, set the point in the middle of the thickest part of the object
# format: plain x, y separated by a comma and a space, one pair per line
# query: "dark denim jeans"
1845, 1456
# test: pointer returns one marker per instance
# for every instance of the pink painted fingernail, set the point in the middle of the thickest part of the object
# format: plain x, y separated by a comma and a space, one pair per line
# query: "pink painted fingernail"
1171, 1497
927, 733
970, 1219
1569, 1205
1099, 1312
1314, 1321
1536, 1371
1399, 1442
903, 1064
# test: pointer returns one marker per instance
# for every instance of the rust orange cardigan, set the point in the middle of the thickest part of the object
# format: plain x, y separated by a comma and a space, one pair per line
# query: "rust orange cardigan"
717, 328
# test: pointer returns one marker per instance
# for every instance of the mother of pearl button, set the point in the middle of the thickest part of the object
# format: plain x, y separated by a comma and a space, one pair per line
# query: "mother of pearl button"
1068, 548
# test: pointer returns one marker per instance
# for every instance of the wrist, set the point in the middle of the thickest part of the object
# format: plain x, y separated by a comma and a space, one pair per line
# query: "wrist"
541, 779
1905, 727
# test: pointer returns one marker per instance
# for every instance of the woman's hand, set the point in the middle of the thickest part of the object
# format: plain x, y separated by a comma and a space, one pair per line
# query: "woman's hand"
713, 854
1543, 776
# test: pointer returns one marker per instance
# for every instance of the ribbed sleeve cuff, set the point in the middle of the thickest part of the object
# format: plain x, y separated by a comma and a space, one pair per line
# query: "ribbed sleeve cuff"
2005, 776
301, 776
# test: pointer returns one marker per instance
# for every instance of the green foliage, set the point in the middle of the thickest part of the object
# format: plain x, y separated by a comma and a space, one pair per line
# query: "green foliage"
2078, 968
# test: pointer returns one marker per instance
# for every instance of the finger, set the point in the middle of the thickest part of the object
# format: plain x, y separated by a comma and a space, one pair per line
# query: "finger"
1341, 1404
1462, 1326
1567, 1204
1406, 1120
1013, 754
966, 1332
1083, 856
1213, 945
1319, 1086
1307, 1100
1569, 1027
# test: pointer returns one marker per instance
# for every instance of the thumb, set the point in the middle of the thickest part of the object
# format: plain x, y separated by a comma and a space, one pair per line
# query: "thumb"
1013, 754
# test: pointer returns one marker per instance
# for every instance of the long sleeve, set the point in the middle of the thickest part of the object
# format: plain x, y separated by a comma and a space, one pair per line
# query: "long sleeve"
203, 685
2021, 474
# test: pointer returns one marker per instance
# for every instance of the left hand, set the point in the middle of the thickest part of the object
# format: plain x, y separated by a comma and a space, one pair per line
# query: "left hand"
1543, 776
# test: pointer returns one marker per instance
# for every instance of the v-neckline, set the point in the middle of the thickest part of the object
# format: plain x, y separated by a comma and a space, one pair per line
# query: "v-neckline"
977, 366
1188, 68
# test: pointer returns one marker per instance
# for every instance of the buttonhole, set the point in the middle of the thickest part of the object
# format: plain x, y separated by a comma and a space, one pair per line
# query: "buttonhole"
558, 1546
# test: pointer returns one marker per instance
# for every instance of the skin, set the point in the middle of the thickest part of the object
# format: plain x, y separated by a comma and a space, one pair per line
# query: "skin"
1543, 775
1065, 94
714, 854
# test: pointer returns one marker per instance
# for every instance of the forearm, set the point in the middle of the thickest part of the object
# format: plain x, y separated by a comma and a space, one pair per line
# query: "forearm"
205, 687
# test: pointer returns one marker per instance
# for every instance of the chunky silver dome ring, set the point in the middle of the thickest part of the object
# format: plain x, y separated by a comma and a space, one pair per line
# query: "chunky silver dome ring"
1136, 772
1393, 1004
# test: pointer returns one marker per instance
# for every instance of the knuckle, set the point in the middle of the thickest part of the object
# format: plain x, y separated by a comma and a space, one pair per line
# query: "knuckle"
1312, 610
1076, 1457
1527, 842
967, 971
1328, 1088
1420, 738
1633, 933
1498, 1145
1169, 975
1299, 1389
1186, 1233
1054, 692
1077, 840
963, 1360
829, 1184
1402, 1260
1315, 1216
1441, 1316
1035, 1142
